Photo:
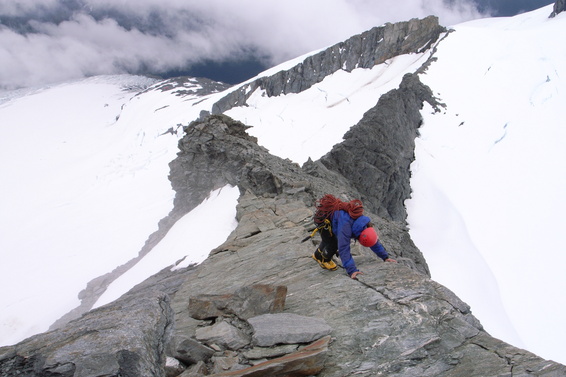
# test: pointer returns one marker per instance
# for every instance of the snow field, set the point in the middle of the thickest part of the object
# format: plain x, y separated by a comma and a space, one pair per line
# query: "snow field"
495, 157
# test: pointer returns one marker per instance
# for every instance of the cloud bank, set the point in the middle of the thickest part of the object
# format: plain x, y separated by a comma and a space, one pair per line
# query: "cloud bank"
45, 41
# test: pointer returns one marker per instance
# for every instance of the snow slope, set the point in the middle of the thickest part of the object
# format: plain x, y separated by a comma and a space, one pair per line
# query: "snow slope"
84, 168
490, 174
87, 172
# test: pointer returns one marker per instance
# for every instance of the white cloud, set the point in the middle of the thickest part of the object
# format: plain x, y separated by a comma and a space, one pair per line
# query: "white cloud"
164, 35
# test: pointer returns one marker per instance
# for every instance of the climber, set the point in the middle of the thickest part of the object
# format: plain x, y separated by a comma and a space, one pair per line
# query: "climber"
339, 222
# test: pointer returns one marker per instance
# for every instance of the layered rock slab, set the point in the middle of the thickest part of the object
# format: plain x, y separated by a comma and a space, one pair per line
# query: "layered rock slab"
287, 328
308, 361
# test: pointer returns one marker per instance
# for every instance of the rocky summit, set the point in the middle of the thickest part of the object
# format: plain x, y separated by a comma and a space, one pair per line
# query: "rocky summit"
259, 305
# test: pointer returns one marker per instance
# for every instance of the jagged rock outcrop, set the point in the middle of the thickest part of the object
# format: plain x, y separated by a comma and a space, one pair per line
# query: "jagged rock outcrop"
360, 51
377, 153
218, 151
559, 6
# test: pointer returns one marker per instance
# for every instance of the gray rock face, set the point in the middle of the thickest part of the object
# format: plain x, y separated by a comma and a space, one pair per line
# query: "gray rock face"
125, 338
360, 51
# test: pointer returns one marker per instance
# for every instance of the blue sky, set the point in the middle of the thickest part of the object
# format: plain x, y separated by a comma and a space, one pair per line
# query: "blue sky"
45, 41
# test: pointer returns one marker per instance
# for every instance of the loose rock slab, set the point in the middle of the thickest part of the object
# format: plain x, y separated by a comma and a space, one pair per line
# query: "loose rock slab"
287, 328
308, 361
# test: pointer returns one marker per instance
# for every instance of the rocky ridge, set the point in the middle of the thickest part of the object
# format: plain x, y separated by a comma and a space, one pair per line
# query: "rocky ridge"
206, 320
364, 50
360, 51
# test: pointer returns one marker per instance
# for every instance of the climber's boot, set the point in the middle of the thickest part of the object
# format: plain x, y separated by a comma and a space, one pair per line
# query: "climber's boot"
327, 264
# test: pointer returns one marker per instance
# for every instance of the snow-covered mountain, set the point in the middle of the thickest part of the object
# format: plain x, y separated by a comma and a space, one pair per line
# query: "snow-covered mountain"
85, 171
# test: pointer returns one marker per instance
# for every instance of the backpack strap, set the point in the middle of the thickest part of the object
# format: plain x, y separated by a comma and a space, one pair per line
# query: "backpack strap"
326, 224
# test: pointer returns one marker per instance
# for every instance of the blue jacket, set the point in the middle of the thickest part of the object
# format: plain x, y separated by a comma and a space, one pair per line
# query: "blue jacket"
344, 229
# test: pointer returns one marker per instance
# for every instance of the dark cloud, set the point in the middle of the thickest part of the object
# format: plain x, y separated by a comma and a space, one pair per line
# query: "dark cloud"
229, 71
44, 41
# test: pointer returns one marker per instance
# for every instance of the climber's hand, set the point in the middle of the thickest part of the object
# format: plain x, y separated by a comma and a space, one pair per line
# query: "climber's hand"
355, 274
